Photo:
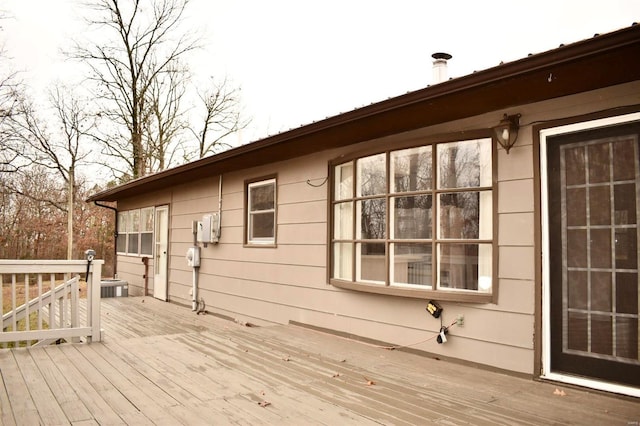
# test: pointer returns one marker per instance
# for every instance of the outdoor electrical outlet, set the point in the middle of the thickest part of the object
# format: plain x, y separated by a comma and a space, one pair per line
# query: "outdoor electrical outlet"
460, 320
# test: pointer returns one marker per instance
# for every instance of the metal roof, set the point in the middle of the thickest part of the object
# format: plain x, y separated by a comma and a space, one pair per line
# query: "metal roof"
598, 62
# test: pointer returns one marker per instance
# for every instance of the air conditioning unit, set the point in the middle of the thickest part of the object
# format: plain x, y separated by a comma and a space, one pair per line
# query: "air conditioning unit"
114, 288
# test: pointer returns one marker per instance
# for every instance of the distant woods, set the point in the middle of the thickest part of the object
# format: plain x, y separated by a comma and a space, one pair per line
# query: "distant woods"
136, 108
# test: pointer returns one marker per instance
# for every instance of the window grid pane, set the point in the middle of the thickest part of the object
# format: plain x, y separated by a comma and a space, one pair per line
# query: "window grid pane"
146, 219
146, 243
372, 176
134, 221
399, 247
412, 264
465, 164
343, 178
411, 169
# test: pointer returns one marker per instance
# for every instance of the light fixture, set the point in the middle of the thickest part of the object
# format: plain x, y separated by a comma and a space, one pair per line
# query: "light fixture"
507, 131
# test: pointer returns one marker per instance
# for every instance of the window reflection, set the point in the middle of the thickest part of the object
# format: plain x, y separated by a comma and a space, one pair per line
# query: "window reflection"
464, 164
373, 218
411, 169
372, 176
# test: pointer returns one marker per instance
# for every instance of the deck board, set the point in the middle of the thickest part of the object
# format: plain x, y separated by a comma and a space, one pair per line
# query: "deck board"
162, 364
42, 397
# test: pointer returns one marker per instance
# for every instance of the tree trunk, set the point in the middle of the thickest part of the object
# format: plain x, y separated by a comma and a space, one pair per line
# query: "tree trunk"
70, 214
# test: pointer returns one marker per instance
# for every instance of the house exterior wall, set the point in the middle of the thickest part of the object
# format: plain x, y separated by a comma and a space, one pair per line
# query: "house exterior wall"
131, 268
266, 285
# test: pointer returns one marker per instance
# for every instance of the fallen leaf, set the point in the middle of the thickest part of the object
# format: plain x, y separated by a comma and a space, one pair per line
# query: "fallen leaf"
559, 392
264, 403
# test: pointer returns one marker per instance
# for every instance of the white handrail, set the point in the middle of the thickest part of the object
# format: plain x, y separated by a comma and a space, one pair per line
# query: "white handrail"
44, 300
62, 301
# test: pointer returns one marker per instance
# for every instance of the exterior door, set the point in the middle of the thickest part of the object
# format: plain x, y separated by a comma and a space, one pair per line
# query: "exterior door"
593, 186
161, 248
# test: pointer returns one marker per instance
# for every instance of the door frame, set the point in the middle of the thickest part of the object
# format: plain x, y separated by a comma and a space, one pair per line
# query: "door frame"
158, 293
546, 370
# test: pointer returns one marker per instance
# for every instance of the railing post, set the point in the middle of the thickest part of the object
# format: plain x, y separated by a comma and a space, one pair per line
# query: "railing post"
93, 299
74, 306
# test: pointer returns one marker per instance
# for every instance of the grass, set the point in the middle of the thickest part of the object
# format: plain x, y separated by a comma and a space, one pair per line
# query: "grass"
7, 304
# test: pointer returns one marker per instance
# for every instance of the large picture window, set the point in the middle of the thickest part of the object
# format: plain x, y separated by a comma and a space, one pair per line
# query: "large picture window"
261, 212
419, 218
135, 232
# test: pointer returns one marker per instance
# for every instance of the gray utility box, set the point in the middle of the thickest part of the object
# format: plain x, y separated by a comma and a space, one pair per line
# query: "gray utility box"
114, 288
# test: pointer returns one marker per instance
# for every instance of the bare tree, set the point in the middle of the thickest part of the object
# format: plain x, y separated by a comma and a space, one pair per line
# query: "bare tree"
31, 228
60, 153
10, 95
221, 106
141, 45
165, 119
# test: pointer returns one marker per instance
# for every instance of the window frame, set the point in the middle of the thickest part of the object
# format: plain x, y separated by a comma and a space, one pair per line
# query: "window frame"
126, 231
411, 290
249, 240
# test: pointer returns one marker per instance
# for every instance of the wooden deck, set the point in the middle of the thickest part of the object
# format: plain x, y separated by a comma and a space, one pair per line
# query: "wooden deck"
161, 364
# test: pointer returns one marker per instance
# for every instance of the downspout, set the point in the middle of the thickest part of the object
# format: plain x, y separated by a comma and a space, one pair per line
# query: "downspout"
195, 269
219, 207
115, 236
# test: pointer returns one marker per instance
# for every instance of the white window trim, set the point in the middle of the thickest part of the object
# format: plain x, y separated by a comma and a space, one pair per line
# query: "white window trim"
126, 233
268, 240
547, 372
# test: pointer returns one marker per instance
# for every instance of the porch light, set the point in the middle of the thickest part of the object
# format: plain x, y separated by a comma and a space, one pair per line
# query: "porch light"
507, 131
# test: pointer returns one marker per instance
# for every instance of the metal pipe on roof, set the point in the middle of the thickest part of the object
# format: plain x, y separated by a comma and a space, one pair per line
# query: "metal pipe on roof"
440, 72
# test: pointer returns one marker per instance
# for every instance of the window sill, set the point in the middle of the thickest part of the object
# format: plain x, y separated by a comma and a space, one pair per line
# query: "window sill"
258, 245
453, 296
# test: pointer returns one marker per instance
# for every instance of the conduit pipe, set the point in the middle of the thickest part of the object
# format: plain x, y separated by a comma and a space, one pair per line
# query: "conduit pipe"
195, 269
219, 205
195, 305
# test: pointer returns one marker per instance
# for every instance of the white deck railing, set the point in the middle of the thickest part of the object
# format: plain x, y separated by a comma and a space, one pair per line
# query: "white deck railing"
39, 301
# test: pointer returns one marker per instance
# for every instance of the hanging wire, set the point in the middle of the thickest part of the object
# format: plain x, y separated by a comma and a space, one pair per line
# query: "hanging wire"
318, 185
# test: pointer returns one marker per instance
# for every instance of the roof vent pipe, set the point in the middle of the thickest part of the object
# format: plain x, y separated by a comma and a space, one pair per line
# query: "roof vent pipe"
440, 67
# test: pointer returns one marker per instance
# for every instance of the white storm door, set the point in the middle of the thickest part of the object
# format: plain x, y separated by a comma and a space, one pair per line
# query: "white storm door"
161, 256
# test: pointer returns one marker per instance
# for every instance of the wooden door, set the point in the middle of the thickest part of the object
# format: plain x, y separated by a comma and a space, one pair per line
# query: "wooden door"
161, 236
593, 208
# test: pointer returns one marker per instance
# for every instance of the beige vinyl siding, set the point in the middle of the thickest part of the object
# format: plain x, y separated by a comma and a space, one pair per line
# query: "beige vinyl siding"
289, 282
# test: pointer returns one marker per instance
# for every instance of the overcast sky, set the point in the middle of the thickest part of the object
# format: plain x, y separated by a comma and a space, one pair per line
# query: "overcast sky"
299, 61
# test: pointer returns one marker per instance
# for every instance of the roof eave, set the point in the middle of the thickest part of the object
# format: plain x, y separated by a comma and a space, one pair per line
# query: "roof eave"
525, 81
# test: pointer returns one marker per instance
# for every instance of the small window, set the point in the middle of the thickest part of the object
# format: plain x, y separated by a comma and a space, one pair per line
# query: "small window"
261, 212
